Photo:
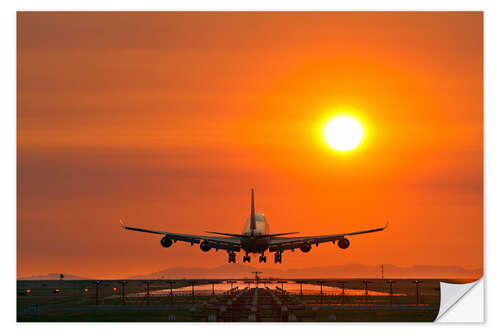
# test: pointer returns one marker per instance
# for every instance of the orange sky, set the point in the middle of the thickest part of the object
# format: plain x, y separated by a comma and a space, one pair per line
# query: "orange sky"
167, 120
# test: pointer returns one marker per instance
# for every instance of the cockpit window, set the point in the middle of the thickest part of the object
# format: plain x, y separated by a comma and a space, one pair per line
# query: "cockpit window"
259, 217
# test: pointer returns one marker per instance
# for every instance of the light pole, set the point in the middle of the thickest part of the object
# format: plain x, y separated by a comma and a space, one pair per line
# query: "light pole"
171, 291
417, 282
97, 292
147, 291
343, 290
321, 290
192, 290
123, 283
390, 282
366, 288
282, 286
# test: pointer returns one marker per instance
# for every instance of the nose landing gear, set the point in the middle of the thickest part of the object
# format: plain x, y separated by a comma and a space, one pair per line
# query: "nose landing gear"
246, 258
232, 257
277, 257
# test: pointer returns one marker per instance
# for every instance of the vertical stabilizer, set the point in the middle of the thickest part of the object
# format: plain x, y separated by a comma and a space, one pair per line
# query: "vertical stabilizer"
252, 215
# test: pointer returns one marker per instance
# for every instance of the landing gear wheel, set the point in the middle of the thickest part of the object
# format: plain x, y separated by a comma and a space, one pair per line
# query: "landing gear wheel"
262, 258
277, 257
246, 258
232, 257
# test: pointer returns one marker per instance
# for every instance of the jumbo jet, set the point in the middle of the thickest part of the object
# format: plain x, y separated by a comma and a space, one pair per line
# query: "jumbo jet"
255, 238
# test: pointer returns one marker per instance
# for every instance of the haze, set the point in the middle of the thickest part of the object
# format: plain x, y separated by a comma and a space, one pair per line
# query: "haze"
167, 120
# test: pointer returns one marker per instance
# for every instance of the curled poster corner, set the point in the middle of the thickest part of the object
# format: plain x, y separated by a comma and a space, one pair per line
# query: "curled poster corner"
461, 303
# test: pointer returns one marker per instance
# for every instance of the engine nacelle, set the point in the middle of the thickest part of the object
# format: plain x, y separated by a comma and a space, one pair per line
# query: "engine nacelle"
204, 246
343, 243
166, 242
305, 247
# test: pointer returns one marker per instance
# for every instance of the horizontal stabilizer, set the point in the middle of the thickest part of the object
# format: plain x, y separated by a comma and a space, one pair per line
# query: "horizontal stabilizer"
225, 234
283, 234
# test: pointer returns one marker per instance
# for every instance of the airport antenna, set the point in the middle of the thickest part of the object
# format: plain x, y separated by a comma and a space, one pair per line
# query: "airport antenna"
257, 278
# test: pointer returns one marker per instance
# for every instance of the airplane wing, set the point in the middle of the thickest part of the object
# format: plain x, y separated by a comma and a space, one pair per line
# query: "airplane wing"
225, 243
291, 243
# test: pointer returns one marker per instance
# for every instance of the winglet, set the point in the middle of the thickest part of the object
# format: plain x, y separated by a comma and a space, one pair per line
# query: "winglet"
386, 225
123, 224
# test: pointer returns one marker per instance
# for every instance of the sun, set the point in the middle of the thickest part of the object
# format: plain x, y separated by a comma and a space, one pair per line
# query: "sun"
343, 133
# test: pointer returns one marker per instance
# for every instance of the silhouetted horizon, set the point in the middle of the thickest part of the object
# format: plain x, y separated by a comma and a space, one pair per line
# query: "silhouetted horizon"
352, 270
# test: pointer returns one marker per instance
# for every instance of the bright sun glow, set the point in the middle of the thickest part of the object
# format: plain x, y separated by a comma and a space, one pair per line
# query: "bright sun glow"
343, 133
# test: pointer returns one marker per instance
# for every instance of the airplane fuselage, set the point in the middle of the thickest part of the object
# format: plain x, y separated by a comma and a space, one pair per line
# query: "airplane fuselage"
255, 244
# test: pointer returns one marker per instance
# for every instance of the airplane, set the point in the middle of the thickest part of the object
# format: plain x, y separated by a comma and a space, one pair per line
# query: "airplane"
255, 238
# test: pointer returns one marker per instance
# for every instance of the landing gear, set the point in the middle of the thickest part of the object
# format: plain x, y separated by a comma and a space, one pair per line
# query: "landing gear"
232, 257
246, 258
262, 258
277, 257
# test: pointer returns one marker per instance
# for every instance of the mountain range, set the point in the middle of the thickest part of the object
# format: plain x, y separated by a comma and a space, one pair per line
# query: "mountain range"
54, 276
339, 271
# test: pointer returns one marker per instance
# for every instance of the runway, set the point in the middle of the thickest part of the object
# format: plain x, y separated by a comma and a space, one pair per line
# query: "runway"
228, 300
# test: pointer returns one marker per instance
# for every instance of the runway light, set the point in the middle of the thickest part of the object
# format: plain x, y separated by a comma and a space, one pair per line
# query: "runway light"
86, 289
114, 289
28, 291
57, 290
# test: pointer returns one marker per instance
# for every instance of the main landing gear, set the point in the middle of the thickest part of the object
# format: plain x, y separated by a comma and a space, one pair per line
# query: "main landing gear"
246, 257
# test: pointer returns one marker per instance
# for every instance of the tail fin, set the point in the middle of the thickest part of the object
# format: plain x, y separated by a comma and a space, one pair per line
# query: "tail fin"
252, 215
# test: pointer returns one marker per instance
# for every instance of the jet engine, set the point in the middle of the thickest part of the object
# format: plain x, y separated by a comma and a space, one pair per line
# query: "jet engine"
166, 242
343, 243
305, 247
204, 246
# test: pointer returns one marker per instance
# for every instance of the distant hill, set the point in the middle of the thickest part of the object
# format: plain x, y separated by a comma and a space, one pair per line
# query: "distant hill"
54, 276
340, 271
